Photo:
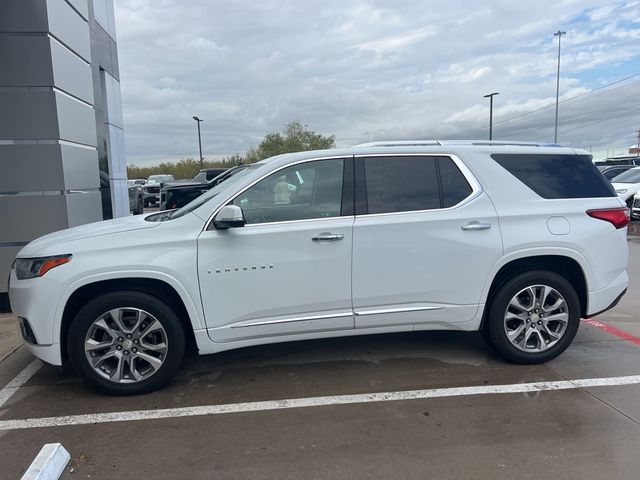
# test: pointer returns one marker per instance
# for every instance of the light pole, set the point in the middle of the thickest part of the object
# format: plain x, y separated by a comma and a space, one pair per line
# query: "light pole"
490, 97
558, 34
199, 139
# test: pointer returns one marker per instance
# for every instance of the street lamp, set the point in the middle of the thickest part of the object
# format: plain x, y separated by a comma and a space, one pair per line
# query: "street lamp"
199, 140
490, 97
559, 35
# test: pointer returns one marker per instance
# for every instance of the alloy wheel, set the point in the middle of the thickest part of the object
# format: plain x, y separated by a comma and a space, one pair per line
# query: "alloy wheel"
126, 345
536, 318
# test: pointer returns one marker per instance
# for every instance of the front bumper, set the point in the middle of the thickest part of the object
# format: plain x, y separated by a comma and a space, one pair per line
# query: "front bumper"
36, 300
154, 197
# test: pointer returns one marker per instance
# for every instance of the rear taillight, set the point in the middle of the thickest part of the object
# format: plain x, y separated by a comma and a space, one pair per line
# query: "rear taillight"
618, 217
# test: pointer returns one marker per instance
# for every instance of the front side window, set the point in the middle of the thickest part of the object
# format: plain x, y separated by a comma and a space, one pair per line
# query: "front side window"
299, 192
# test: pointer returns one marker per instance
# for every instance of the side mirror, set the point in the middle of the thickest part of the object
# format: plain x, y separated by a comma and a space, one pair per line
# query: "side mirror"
229, 216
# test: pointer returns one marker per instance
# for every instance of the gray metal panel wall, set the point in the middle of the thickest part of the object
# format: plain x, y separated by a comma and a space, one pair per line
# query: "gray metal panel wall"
48, 157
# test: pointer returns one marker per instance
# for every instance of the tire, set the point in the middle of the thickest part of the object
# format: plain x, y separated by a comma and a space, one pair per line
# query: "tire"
130, 362
545, 331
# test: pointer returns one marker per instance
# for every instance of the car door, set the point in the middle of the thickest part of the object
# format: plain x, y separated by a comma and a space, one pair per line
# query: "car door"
425, 238
288, 270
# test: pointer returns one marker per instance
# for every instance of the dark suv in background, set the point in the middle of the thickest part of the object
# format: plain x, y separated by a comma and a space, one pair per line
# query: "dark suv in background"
176, 195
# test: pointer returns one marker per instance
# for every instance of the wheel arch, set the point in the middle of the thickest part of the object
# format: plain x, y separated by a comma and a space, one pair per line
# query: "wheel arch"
158, 288
564, 265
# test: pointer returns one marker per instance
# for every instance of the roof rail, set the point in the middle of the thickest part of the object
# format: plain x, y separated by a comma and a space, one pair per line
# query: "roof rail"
497, 142
423, 143
400, 143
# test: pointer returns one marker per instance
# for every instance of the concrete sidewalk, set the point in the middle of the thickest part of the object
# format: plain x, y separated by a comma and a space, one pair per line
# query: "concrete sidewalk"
9, 335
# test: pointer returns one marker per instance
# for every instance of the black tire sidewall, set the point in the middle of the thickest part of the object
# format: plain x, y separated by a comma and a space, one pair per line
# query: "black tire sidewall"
497, 337
144, 301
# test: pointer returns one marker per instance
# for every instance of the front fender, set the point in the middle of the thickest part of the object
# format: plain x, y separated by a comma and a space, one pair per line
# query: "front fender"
193, 308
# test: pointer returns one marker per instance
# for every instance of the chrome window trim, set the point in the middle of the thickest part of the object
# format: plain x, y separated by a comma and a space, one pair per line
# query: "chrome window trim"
295, 319
304, 220
271, 172
476, 188
363, 313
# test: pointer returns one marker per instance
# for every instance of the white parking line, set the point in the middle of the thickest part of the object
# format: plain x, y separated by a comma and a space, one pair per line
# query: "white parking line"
95, 418
18, 381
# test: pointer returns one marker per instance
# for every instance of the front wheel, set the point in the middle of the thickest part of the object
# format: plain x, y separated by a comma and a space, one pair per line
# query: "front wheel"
126, 343
533, 317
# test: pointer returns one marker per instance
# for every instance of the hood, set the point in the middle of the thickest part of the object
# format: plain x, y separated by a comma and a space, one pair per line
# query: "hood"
97, 229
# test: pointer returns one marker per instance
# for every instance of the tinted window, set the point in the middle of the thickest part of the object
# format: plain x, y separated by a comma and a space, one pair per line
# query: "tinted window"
557, 176
455, 187
613, 172
304, 191
401, 184
200, 178
630, 176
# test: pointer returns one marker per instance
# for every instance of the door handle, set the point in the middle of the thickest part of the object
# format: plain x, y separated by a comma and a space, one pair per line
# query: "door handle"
327, 237
476, 226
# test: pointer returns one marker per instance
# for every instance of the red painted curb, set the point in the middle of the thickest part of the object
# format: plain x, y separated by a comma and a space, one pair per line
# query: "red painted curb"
613, 330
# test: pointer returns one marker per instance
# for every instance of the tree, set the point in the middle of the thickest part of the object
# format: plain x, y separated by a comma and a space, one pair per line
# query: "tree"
294, 137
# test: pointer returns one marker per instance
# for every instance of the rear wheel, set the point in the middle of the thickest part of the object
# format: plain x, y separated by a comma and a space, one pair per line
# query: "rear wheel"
533, 317
126, 343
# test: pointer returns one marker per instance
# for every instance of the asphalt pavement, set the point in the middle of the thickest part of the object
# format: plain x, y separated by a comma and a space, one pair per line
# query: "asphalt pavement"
348, 408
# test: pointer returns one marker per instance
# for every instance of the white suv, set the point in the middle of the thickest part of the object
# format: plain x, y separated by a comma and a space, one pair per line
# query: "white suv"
517, 241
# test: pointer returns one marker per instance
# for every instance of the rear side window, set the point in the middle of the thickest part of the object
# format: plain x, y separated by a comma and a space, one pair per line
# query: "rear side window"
455, 187
413, 183
401, 184
557, 176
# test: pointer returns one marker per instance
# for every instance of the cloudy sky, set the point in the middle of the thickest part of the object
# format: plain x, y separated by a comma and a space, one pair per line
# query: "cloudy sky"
372, 70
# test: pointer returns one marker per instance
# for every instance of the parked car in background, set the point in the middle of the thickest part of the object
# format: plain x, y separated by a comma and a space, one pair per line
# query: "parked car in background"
152, 188
635, 208
176, 195
627, 184
136, 197
208, 174
105, 195
138, 181
611, 171
619, 160
385, 237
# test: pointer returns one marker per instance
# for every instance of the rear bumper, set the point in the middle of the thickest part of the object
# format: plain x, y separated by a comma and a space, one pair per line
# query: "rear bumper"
606, 298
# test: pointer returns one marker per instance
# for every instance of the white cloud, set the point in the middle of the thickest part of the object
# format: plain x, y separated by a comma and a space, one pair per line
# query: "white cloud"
366, 70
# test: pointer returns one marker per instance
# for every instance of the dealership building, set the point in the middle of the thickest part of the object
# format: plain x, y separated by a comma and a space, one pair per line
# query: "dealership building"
62, 160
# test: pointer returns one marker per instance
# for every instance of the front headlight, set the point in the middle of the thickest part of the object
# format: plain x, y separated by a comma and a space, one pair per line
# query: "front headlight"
621, 191
37, 267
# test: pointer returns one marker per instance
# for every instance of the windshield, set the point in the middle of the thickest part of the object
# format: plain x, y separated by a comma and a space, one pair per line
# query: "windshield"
205, 197
630, 176
158, 178
201, 177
